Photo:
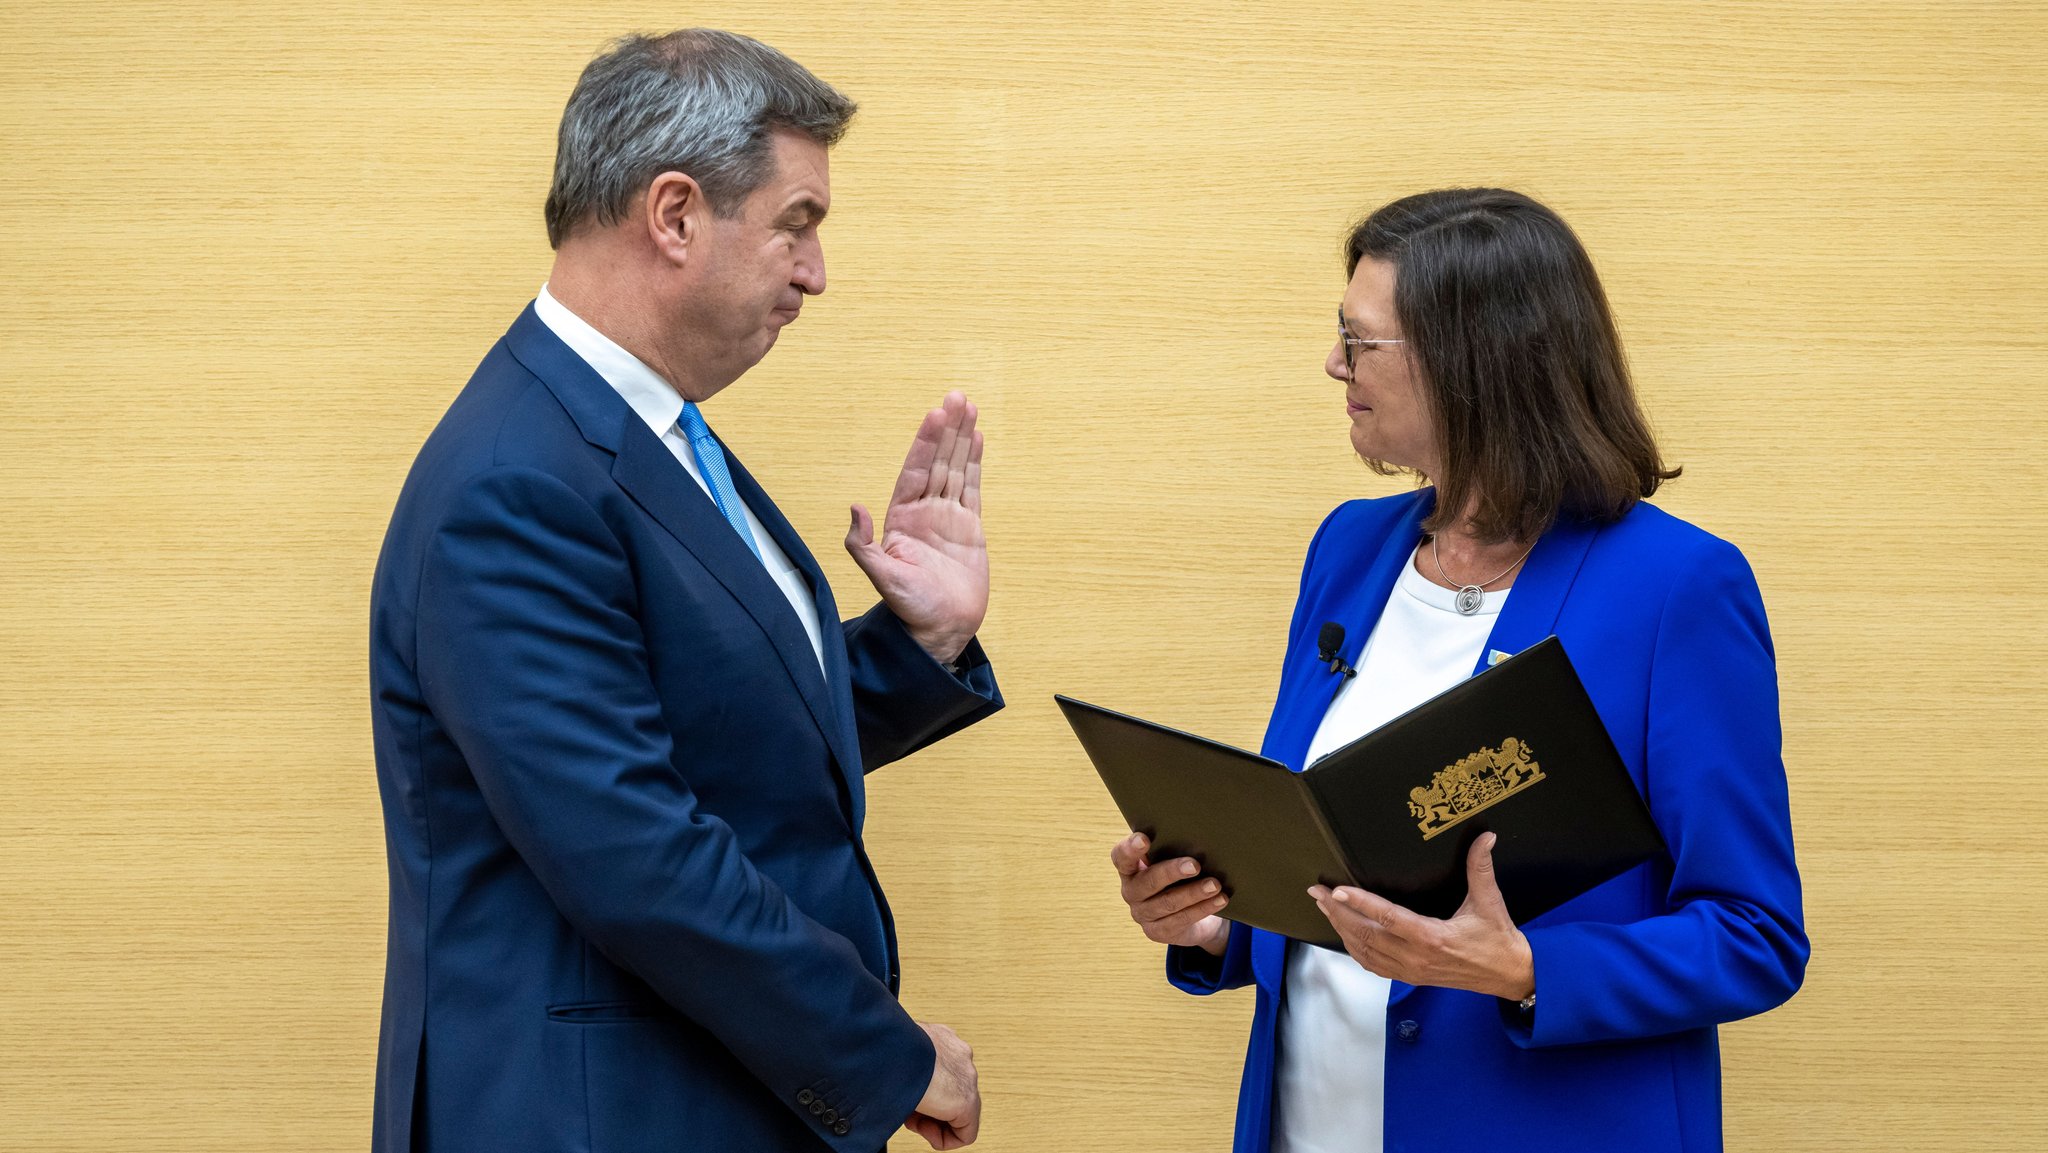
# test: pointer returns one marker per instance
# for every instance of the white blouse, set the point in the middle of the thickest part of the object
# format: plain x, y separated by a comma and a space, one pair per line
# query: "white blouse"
1330, 1081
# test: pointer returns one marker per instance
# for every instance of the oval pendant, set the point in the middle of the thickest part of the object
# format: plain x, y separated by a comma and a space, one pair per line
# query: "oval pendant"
1469, 599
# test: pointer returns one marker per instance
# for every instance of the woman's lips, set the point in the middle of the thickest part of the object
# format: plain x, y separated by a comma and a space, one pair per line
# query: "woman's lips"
1353, 408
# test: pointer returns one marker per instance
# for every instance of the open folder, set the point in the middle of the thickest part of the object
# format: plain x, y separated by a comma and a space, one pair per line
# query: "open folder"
1516, 750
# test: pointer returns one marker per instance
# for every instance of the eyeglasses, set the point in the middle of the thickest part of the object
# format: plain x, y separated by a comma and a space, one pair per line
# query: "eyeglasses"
1352, 342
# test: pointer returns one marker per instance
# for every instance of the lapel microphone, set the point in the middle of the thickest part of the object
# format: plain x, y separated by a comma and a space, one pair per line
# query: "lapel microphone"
1328, 641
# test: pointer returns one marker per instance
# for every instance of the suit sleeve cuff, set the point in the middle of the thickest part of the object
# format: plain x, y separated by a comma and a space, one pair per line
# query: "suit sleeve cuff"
851, 1125
1554, 994
1201, 972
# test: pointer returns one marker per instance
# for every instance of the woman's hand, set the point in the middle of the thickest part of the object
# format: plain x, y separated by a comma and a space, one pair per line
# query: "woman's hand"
1478, 949
1170, 900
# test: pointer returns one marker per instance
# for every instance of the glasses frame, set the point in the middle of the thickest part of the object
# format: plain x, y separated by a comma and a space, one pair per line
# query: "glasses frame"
1352, 342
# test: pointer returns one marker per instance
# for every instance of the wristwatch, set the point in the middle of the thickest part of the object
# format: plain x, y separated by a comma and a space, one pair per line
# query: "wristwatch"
1527, 1004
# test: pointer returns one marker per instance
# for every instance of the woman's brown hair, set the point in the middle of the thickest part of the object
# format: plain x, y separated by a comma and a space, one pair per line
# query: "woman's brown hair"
1535, 415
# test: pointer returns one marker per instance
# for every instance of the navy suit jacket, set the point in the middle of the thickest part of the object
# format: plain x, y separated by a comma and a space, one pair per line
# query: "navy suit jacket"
630, 908
1666, 628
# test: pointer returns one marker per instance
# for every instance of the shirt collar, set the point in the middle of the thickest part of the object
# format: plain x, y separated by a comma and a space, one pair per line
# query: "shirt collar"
653, 399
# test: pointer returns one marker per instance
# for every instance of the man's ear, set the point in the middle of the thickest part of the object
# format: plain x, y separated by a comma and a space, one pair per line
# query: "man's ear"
675, 212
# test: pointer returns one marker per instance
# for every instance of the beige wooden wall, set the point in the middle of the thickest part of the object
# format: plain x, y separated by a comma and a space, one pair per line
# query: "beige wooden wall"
251, 250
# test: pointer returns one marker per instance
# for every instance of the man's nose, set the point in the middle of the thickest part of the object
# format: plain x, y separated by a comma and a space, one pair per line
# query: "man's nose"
1334, 363
810, 268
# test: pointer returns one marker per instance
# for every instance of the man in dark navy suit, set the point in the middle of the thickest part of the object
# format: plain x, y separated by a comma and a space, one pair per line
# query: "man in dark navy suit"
620, 727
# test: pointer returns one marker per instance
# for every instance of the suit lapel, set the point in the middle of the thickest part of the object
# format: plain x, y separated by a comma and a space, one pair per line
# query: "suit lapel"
843, 732
654, 479
645, 469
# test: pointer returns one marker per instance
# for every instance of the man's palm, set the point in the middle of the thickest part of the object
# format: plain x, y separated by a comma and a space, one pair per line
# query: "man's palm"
931, 566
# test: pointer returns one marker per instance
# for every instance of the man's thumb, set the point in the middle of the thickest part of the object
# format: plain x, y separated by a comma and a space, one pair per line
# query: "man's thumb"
860, 537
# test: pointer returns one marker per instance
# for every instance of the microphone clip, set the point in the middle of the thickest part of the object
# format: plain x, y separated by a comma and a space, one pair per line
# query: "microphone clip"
1328, 643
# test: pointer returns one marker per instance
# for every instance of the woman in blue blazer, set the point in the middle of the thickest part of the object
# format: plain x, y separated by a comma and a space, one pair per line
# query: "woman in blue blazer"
1477, 351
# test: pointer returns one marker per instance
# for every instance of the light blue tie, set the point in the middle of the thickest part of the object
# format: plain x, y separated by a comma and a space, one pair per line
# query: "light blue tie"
711, 462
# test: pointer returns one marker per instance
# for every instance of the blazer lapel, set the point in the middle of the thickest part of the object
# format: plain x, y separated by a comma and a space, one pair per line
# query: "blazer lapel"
835, 692
1532, 610
645, 469
651, 475
1311, 687
1540, 588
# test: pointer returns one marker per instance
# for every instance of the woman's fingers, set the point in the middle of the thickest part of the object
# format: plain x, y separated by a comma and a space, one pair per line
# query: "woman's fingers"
1154, 879
1129, 855
1176, 899
1179, 929
1167, 898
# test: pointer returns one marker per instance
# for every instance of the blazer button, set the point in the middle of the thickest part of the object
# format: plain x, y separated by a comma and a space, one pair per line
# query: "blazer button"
805, 1096
1408, 1030
817, 1106
830, 1116
842, 1129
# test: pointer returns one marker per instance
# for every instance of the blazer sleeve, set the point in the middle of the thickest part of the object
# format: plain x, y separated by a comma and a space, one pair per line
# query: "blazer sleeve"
531, 655
1733, 942
903, 699
1199, 972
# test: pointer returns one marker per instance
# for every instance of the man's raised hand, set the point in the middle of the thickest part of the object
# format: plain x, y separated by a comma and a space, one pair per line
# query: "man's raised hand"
931, 565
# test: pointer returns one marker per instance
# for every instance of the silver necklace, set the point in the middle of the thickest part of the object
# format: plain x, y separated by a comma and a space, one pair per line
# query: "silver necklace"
1470, 597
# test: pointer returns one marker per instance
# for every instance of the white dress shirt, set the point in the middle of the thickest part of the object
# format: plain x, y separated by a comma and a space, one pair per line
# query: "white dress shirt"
657, 402
1331, 1077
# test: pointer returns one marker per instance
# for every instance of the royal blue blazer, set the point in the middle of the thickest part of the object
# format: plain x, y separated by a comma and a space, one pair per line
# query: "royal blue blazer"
630, 908
1666, 628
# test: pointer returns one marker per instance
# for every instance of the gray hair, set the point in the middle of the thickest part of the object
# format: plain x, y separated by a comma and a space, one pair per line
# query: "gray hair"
697, 101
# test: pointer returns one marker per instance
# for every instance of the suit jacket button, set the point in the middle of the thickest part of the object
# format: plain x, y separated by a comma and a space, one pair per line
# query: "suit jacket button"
817, 1106
842, 1129
805, 1096
1408, 1030
830, 1116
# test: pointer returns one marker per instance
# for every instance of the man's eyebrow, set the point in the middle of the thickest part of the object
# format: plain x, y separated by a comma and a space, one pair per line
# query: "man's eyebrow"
809, 207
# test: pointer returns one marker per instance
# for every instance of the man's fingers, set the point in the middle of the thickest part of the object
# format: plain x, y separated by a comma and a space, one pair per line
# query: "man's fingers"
970, 494
933, 1132
942, 451
917, 463
968, 1128
963, 450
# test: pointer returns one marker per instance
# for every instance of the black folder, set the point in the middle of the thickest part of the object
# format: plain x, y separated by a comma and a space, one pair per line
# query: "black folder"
1516, 750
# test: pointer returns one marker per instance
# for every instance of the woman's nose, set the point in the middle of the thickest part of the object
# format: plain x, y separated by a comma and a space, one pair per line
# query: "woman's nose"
1335, 365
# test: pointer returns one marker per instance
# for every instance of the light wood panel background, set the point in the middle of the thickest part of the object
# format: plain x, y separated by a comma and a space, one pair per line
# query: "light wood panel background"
252, 249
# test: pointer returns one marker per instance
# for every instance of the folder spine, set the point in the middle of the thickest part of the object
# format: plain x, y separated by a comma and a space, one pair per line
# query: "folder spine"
1338, 851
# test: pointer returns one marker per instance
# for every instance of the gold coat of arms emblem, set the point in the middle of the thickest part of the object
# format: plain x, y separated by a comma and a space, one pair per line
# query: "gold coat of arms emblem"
1473, 785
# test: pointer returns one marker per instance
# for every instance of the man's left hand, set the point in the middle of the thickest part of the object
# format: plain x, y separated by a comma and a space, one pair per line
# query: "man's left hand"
931, 566
1478, 948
